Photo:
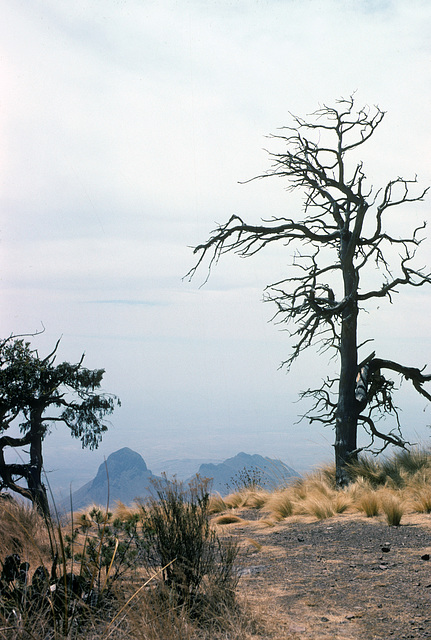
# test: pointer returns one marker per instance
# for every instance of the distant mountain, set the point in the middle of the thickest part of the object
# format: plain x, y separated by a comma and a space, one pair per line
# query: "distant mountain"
126, 476
230, 474
181, 469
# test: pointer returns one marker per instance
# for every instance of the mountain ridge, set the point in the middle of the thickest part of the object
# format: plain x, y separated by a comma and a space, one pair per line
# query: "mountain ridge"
124, 477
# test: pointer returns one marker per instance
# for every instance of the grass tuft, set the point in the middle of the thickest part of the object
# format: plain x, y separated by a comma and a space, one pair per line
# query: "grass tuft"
280, 504
217, 504
369, 504
320, 507
227, 518
393, 507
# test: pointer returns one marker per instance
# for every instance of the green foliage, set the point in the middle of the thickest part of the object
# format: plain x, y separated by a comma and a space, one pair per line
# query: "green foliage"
77, 585
30, 386
29, 383
109, 547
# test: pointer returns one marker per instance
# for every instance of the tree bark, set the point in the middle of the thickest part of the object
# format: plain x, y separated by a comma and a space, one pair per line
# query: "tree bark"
346, 420
34, 479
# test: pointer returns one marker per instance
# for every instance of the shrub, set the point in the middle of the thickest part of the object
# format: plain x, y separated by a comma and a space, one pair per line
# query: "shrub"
105, 547
198, 567
247, 478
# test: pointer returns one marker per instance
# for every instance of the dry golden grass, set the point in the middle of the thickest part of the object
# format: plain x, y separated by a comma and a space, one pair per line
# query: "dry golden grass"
393, 506
280, 504
421, 500
23, 531
234, 500
123, 511
217, 504
227, 518
392, 486
254, 499
369, 504
321, 507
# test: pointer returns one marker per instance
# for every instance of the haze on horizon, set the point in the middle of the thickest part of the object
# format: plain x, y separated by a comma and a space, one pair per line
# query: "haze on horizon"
126, 127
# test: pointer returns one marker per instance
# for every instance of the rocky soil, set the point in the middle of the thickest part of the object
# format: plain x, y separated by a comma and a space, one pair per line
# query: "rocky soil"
343, 578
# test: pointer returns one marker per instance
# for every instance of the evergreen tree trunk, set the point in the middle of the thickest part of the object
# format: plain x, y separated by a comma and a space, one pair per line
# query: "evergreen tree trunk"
34, 478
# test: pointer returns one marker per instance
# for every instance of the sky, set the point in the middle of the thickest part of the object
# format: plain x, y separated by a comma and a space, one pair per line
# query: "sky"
126, 128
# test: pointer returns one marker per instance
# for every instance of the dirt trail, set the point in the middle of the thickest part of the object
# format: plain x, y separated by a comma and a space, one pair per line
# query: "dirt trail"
343, 578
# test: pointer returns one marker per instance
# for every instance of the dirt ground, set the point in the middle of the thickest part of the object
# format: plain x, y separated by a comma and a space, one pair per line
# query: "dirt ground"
347, 577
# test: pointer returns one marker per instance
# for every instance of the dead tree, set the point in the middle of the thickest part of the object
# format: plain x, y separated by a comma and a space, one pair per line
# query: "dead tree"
341, 232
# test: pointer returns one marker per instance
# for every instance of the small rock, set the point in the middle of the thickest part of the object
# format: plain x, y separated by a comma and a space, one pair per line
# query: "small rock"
386, 547
323, 619
300, 538
426, 556
296, 628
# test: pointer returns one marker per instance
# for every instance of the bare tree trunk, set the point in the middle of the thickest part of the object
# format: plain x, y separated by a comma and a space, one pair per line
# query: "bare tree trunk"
346, 422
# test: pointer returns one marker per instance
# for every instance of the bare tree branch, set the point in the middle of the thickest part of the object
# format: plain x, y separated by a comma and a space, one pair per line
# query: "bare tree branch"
345, 223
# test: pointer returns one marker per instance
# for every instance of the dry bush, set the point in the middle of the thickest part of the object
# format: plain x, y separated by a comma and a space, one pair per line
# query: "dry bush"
198, 566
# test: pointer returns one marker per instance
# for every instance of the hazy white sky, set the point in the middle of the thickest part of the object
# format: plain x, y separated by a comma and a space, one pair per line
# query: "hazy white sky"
125, 127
